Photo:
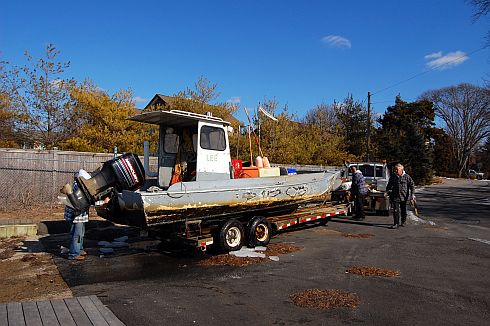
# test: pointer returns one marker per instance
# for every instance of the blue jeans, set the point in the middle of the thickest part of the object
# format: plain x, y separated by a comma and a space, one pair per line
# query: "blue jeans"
76, 242
399, 212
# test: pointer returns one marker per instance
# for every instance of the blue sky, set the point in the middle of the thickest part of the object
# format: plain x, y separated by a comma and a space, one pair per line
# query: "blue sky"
302, 53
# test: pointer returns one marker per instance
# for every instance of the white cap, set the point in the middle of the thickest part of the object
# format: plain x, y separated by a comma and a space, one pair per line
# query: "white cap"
84, 174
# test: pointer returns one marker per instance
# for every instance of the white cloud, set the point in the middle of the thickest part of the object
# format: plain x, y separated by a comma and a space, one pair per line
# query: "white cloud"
434, 55
337, 41
440, 61
234, 100
139, 99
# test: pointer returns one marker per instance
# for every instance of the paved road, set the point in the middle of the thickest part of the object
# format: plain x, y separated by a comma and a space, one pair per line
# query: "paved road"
444, 274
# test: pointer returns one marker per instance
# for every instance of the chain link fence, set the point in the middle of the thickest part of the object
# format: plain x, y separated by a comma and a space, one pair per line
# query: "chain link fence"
29, 177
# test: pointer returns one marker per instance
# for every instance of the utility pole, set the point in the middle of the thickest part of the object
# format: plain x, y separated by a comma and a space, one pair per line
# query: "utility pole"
368, 133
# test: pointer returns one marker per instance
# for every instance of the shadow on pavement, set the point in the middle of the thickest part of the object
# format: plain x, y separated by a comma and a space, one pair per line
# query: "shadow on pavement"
61, 226
364, 223
143, 257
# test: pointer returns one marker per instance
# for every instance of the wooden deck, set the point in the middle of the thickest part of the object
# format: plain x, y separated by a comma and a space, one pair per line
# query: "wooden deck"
81, 311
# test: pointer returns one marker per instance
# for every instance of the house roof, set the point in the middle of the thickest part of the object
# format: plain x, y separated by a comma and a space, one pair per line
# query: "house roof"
164, 102
159, 99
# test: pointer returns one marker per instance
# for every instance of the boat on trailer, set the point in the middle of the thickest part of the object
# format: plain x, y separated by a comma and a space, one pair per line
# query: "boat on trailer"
196, 178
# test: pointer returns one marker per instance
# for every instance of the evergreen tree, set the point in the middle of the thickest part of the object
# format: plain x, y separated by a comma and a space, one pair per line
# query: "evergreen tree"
443, 162
404, 137
352, 126
483, 157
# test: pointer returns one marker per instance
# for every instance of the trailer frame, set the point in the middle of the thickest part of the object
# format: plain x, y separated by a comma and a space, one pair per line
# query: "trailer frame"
195, 235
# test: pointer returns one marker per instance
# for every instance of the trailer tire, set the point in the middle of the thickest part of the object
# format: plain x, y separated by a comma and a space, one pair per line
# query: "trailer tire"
258, 232
231, 236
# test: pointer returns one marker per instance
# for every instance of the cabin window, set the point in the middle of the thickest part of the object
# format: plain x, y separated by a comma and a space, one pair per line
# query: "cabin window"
213, 138
171, 142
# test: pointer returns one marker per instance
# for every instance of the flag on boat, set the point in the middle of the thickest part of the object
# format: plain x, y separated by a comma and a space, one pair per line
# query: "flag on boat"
267, 114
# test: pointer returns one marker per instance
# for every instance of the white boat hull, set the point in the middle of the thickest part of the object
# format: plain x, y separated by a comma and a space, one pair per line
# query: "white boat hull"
200, 199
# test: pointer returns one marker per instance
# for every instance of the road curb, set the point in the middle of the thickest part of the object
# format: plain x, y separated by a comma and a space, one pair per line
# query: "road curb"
17, 229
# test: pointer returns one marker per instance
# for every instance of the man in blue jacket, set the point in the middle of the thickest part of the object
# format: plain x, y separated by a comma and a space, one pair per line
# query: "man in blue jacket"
359, 191
401, 188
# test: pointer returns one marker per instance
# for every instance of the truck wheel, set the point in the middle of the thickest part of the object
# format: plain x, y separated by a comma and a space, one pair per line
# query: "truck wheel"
258, 232
231, 236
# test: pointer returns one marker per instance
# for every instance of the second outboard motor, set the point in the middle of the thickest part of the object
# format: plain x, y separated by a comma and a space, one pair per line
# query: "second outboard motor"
122, 173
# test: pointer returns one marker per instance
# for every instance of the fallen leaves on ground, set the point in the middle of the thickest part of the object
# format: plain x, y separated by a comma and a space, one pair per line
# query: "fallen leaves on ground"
32, 212
325, 299
31, 277
6, 254
358, 235
12, 242
8, 246
231, 260
373, 271
281, 249
33, 260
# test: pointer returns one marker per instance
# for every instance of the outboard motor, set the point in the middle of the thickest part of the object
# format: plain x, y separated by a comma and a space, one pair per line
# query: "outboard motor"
122, 173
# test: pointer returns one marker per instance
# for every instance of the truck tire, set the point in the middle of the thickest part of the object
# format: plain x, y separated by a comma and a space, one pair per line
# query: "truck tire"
258, 232
231, 236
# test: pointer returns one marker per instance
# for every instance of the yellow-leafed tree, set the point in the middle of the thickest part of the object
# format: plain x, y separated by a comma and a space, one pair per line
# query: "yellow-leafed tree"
102, 122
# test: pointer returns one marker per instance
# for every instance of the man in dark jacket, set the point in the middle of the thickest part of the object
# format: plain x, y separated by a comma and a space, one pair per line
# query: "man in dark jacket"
359, 191
401, 189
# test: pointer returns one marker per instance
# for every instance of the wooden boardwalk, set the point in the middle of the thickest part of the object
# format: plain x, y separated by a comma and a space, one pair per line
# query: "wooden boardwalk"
81, 311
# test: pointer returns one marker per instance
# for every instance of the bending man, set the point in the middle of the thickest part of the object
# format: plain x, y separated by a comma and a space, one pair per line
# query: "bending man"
359, 190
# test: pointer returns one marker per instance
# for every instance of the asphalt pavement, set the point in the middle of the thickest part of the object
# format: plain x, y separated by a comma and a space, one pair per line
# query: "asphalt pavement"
443, 259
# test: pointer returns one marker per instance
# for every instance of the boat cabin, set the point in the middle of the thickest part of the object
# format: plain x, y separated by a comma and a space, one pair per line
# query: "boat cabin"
192, 147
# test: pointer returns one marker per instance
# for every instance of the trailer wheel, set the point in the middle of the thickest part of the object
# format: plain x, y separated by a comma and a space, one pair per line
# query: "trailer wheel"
231, 236
258, 232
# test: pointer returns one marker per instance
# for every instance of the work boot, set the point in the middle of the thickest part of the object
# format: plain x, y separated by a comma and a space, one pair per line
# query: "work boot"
83, 253
402, 225
394, 226
78, 258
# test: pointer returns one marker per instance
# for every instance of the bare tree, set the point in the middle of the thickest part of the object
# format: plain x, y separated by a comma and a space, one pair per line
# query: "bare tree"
323, 116
204, 91
38, 92
465, 109
481, 8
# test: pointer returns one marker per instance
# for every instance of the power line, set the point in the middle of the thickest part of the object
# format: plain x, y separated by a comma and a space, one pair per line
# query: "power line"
429, 70
385, 101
